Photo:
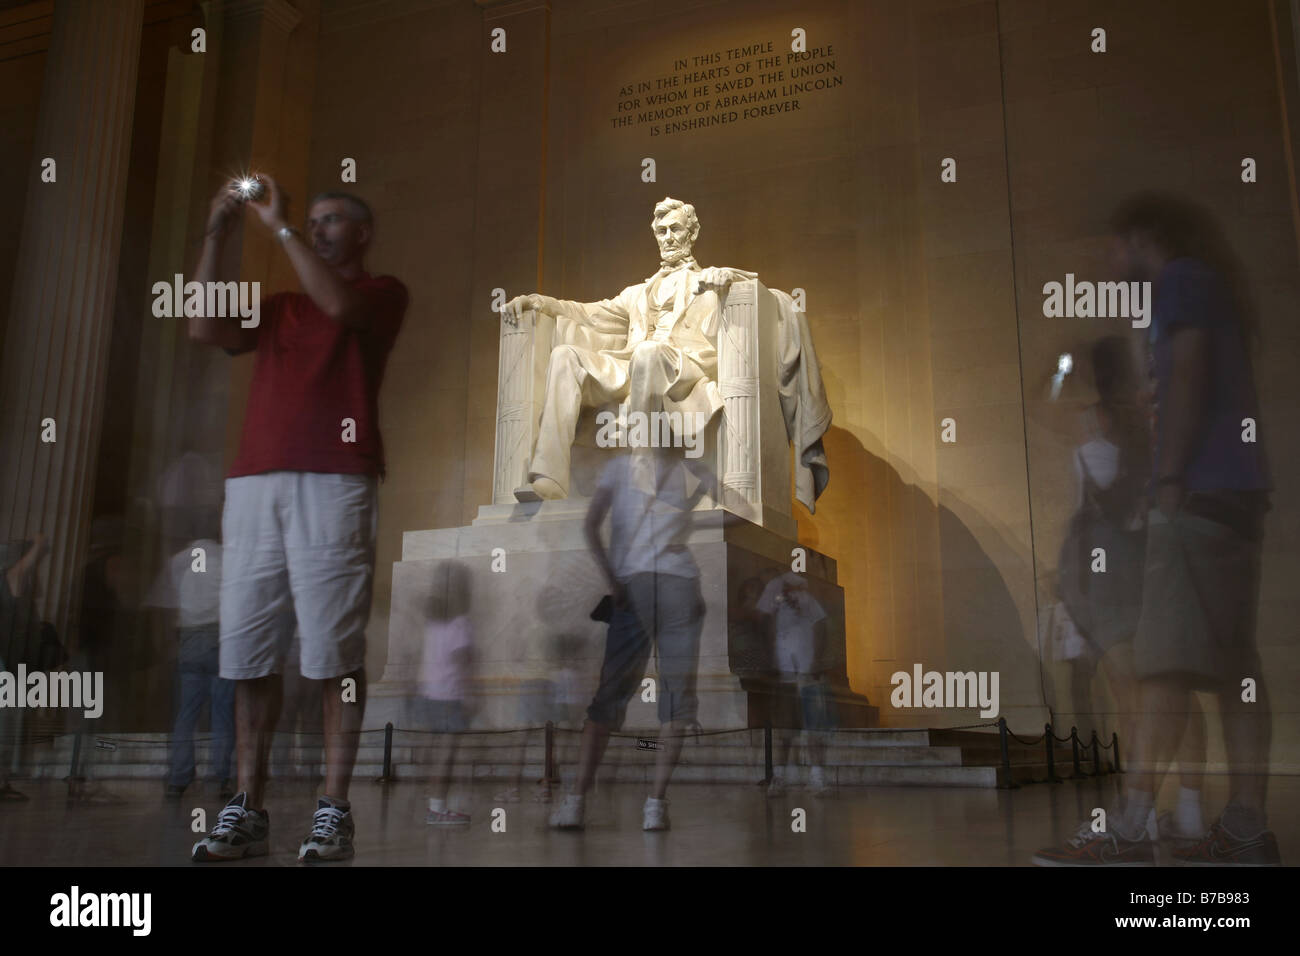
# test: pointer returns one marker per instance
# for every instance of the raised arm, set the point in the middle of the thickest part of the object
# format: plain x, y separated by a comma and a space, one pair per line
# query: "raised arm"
332, 294
225, 211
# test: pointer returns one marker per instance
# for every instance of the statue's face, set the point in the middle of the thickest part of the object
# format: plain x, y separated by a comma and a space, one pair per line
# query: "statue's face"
673, 236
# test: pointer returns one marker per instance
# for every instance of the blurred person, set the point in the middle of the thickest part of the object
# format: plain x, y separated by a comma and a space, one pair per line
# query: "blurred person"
535, 704
557, 698
747, 632
301, 498
20, 633
108, 615
795, 615
570, 704
190, 584
446, 663
1208, 497
1112, 470
656, 601
109, 638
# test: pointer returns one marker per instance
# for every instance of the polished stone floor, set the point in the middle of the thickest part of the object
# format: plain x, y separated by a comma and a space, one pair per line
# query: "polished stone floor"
129, 823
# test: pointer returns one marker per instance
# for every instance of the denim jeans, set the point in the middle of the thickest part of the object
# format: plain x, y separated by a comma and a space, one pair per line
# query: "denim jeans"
198, 684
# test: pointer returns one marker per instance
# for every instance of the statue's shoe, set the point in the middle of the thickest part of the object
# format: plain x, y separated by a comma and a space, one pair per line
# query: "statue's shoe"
540, 488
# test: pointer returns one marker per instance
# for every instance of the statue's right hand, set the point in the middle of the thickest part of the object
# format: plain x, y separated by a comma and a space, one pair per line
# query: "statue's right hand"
521, 304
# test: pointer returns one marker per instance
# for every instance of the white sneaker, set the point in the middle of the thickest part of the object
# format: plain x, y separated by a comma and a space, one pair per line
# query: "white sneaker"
568, 815
655, 816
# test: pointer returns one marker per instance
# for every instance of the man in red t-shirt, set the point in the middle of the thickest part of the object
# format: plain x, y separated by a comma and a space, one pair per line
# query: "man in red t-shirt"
300, 515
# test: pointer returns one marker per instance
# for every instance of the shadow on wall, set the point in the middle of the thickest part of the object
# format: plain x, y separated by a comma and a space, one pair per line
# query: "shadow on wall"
920, 586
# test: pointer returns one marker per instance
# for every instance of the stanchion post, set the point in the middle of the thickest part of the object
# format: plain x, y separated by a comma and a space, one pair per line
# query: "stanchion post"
387, 775
549, 773
1114, 743
1006, 756
767, 751
1050, 741
74, 772
1096, 754
1074, 749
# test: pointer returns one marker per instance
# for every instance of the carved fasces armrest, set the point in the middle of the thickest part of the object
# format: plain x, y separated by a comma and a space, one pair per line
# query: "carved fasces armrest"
754, 446
526, 344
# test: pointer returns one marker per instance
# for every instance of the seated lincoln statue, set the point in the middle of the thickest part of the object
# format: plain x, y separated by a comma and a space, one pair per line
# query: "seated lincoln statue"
668, 328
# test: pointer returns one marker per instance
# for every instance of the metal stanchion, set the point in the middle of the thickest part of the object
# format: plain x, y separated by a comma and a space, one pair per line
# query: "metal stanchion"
1050, 741
549, 773
1006, 757
387, 776
767, 752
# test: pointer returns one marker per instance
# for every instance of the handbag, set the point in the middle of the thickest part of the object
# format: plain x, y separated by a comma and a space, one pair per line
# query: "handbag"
604, 611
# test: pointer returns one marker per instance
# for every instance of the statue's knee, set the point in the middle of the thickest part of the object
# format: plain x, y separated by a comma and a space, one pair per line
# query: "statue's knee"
565, 357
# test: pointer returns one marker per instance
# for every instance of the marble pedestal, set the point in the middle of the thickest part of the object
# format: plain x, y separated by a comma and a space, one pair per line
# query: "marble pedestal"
531, 616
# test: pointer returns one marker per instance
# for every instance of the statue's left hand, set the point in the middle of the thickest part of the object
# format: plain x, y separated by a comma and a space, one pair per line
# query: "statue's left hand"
719, 277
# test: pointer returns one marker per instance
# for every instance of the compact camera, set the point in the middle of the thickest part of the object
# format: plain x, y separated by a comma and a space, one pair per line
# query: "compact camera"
249, 187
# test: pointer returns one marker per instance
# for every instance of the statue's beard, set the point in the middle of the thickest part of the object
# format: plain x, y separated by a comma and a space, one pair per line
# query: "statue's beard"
674, 256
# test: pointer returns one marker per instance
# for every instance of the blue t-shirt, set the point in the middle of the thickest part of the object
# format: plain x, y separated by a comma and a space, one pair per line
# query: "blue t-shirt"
1188, 293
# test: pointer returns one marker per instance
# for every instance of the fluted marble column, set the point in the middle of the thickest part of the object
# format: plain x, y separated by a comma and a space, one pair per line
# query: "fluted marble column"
57, 334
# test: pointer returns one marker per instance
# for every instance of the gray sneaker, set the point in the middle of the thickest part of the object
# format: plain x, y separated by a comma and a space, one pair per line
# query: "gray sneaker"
331, 833
239, 832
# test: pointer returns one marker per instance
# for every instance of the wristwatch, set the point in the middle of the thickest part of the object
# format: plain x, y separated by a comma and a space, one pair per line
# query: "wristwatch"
284, 232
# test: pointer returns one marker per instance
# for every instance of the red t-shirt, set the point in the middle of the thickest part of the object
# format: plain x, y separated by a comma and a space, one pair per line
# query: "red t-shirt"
309, 375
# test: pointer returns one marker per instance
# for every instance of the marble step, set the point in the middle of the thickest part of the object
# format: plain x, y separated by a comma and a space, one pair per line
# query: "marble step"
878, 757
859, 776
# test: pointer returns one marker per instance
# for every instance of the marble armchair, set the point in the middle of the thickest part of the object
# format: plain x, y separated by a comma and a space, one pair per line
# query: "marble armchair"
746, 442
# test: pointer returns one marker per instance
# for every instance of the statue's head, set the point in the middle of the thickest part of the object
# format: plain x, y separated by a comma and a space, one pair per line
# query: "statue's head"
675, 227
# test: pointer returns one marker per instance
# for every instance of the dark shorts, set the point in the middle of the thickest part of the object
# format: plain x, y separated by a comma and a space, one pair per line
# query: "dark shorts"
802, 704
1200, 590
669, 611
439, 716
816, 706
